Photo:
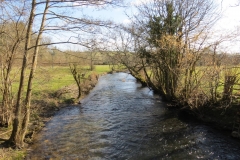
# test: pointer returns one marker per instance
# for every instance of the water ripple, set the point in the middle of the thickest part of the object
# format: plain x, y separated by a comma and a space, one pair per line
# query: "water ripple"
121, 120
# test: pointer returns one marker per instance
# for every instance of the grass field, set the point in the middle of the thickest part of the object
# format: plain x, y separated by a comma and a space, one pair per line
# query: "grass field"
50, 79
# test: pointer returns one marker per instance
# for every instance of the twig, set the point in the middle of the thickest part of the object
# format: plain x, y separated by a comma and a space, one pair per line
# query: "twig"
5, 132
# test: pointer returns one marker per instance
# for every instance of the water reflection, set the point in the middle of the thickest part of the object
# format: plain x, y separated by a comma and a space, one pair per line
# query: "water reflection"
121, 120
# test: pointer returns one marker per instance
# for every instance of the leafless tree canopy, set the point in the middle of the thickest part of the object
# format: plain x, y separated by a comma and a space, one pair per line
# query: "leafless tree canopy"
23, 25
166, 43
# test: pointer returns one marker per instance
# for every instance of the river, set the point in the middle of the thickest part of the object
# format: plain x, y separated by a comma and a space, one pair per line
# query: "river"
119, 119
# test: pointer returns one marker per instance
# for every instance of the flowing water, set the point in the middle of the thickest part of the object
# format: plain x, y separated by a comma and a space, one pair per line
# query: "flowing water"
121, 120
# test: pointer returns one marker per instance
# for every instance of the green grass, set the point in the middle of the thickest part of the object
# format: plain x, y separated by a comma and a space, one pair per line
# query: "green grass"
50, 79
100, 69
11, 154
206, 75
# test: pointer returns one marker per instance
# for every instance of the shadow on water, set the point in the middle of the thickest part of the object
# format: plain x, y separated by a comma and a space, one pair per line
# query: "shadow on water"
121, 120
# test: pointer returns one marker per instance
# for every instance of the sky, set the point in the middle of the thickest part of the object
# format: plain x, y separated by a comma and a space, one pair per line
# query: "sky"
228, 23
230, 17
230, 13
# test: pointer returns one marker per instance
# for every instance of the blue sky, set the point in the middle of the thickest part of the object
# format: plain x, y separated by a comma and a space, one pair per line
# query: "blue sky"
116, 14
229, 21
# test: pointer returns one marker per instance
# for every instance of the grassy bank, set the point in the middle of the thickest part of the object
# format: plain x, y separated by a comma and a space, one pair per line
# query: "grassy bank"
51, 79
53, 88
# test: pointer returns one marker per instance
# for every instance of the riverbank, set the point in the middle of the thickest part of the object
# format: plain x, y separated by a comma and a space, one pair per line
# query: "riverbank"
55, 102
42, 110
114, 112
215, 116
221, 115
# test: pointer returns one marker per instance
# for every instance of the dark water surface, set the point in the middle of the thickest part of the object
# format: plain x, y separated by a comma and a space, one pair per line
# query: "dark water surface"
122, 120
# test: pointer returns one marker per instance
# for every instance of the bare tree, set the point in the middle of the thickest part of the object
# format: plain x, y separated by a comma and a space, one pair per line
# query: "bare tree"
51, 20
169, 38
78, 74
22, 111
13, 29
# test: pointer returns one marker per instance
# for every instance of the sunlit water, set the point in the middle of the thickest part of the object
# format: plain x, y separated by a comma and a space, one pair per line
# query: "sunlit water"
122, 120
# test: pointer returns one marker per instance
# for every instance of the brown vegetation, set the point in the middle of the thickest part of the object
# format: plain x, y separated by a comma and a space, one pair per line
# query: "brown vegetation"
167, 47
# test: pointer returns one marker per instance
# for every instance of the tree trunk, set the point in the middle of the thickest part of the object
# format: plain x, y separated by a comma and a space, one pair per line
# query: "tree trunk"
79, 91
27, 103
22, 112
77, 78
7, 99
228, 87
